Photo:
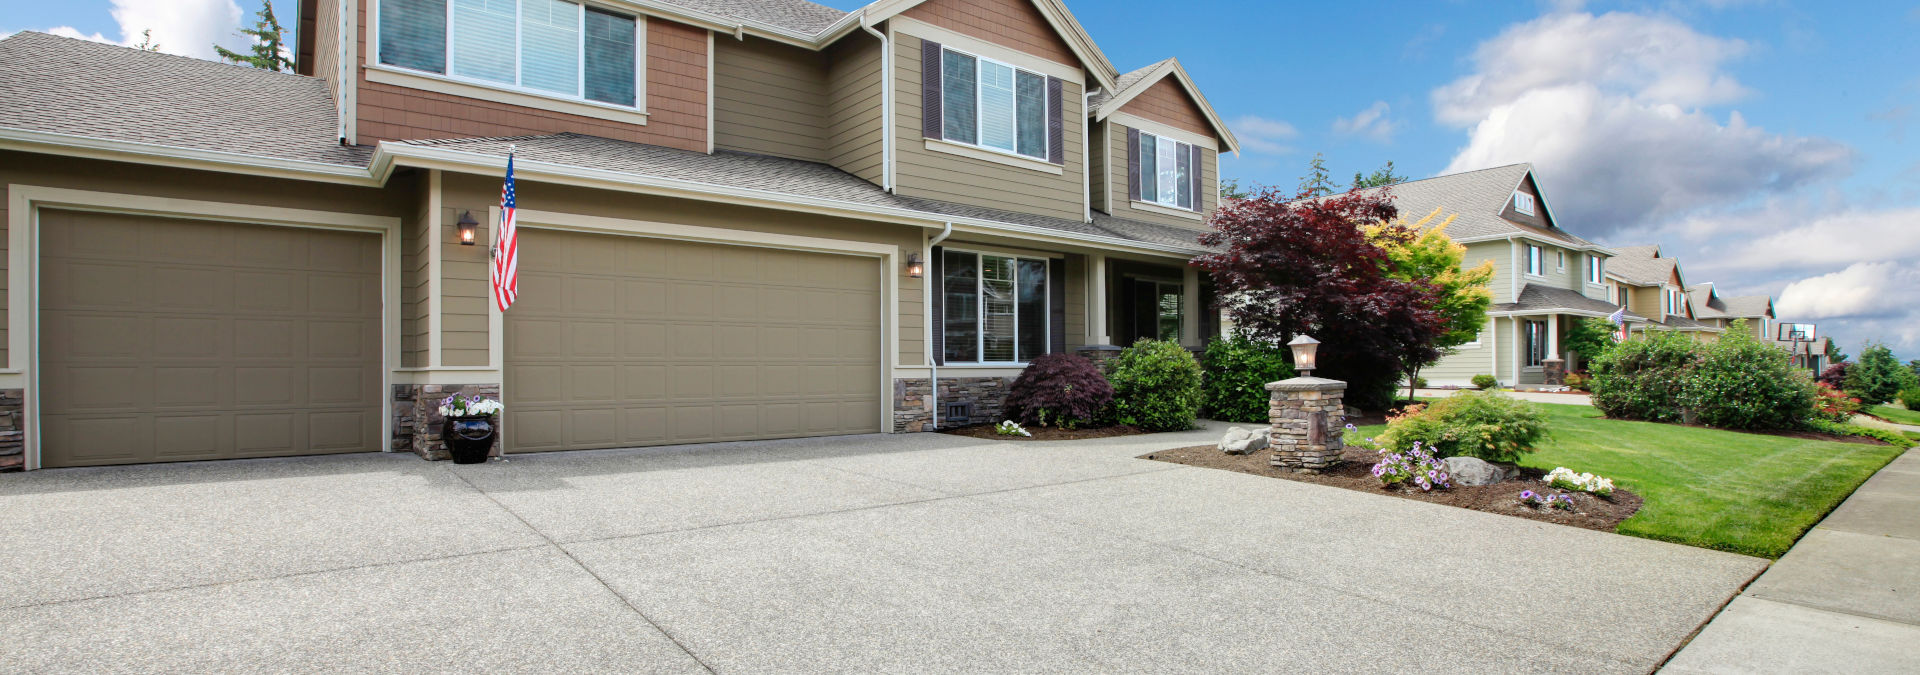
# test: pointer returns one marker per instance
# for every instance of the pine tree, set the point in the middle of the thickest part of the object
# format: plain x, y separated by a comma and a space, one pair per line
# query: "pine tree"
146, 42
269, 44
1317, 183
1382, 177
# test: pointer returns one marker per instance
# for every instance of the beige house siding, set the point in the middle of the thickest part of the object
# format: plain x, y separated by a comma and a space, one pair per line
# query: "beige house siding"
464, 305
769, 99
1501, 253
920, 172
1098, 163
1117, 183
1645, 301
1459, 367
414, 289
855, 115
1552, 272
1076, 295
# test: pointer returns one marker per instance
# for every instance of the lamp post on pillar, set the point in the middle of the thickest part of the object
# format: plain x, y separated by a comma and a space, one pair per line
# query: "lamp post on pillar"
1305, 351
1306, 413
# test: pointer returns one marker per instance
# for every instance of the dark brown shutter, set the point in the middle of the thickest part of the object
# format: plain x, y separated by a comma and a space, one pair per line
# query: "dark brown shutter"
1057, 306
937, 278
1193, 176
931, 108
1133, 164
1056, 122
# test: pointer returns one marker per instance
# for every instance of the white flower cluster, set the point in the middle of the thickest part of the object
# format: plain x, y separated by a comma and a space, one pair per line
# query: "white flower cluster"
475, 406
1011, 428
1565, 479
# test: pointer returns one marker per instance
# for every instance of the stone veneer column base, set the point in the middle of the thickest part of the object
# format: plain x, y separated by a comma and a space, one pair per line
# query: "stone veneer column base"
13, 432
1554, 372
913, 408
417, 420
1307, 415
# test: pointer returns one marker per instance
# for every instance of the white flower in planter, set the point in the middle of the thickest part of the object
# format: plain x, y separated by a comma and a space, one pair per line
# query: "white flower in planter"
470, 406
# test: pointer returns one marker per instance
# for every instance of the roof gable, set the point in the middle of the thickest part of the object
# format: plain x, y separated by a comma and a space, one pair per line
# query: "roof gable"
1132, 85
1065, 27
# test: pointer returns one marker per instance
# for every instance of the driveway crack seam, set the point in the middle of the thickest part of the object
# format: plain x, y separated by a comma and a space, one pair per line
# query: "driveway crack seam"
596, 576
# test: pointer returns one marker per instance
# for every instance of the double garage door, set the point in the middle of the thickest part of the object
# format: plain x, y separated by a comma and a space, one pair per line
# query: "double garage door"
620, 341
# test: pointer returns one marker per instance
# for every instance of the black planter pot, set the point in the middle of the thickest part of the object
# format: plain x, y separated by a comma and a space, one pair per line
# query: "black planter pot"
469, 438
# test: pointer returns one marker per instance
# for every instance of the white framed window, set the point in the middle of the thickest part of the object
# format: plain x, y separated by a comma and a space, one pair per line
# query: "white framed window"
1536, 343
1523, 202
993, 105
1594, 274
1536, 261
994, 307
1560, 261
555, 48
1166, 172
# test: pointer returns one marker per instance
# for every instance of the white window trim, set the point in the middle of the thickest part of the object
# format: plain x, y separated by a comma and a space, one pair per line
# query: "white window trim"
1521, 197
1596, 275
1527, 258
1175, 207
639, 71
980, 307
1560, 261
979, 131
992, 155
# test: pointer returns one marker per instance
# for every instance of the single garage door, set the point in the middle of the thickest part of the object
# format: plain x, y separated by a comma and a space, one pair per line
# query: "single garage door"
622, 341
167, 340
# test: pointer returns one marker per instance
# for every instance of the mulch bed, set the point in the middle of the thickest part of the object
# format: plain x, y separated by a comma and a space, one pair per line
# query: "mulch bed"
1046, 433
1355, 473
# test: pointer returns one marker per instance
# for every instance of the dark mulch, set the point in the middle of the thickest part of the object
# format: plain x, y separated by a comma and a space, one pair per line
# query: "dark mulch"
1047, 433
1593, 513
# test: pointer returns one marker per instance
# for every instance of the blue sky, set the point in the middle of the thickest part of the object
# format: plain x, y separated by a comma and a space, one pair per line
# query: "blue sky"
1769, 145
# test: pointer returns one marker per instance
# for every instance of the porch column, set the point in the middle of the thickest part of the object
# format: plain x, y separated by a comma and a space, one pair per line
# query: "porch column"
1555, 367
1097, 301
1190, 308
1553, 336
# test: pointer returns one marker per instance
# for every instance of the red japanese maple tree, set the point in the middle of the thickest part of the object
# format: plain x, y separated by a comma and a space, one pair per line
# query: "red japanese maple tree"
1290, 266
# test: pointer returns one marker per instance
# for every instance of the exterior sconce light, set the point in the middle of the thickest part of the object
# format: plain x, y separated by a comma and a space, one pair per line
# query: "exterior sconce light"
1305, 350
916, 268
468, 227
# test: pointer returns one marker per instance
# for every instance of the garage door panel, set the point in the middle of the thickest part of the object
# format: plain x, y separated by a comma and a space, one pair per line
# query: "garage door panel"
208, 340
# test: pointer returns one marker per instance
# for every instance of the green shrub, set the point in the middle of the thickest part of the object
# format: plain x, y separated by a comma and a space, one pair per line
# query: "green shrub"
1419, 382
1889, 437
1644, 378
1156, 386
1739, 383
1833, 405
1490, 425
1877, 378
1485, 381
1580, 381
1910, 398
1064, 390
1237, 372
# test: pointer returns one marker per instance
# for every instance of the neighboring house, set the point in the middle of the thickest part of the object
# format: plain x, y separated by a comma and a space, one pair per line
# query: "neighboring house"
1650, 285
1545, 278
739, 221
1721, 311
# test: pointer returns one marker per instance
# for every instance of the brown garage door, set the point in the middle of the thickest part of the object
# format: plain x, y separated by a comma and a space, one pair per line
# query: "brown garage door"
628, 341
168, 340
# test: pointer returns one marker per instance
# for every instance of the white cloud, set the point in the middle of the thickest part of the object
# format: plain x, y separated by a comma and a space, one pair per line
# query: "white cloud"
1260, 134
1371, 123
70, 31
1879, 290
184, 27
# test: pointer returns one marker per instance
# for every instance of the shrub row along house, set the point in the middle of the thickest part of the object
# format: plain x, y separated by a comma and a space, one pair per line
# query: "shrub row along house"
738, 221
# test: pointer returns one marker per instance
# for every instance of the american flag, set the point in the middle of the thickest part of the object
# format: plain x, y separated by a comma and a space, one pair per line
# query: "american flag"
1619, 318
506, 247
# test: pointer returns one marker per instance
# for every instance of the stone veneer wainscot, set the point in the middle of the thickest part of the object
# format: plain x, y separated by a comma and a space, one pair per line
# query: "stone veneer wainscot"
417, 421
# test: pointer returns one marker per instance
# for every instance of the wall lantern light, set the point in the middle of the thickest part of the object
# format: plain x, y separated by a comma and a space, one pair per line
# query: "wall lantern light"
468, 227
1305, 350
916, 268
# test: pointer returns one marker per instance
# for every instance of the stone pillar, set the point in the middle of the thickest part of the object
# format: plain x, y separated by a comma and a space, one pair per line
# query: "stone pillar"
1555, 370
12, 430
417, 421
1099, 354
1309, 417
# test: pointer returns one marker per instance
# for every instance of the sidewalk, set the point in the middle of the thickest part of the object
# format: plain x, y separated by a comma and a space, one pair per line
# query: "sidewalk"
1846, 599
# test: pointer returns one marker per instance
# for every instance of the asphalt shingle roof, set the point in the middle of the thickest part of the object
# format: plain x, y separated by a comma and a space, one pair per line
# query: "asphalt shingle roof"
83, 88
1121, 83
799, 16
785, 176
1478, 197
1706, 303
1638, 266
1538, 298
1747, 305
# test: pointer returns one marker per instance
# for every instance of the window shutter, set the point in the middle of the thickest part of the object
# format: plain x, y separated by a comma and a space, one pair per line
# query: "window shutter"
1133, 164
1056, 122
1057, 306
930, 101
1194, 175
937, 276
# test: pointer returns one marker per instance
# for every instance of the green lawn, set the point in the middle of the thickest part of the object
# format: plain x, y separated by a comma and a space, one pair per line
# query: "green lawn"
1894, 413
1745, 493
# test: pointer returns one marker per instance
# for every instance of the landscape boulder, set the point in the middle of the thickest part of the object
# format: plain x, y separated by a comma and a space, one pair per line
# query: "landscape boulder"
1474, 471
1239, 441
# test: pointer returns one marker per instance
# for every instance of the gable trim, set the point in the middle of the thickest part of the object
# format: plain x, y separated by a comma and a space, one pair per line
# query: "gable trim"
1057, 16
1171, 67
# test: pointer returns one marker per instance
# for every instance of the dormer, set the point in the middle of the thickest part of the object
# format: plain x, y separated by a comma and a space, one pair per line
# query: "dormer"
1158, 145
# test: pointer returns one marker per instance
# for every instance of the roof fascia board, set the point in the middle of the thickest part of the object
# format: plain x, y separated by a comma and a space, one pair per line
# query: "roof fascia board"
396, 155
1596, 248
1179, 72
186, 158
1057, 16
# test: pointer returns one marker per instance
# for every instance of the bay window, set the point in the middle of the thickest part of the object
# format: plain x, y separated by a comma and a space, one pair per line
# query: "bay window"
552, 47
993, 105
1166, 172
994, 307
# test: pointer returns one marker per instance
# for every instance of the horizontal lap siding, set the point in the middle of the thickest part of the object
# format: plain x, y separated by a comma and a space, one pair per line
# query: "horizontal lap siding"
769, 99
676, 102
326, 44
1117, 182
1468, 361
1500, 253
965, 180
1078, 273
855, 114
414, 287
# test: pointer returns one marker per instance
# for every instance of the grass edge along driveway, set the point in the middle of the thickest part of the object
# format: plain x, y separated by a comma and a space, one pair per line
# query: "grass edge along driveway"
1895, 414
1746, 493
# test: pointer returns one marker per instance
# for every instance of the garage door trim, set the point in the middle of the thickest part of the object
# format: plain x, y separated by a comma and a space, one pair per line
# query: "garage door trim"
886, 254
23, 272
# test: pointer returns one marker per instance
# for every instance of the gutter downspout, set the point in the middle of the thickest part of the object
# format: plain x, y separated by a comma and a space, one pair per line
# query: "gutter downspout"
886, 106
933, 365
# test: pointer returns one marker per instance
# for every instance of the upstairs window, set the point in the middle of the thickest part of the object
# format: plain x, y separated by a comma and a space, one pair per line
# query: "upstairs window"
993, 105
1166, 172
1560, 261
1594, 273
1536, 261
1523, 203
551, 47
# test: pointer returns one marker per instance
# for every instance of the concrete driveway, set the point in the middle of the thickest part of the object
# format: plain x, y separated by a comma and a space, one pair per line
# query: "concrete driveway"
870, 553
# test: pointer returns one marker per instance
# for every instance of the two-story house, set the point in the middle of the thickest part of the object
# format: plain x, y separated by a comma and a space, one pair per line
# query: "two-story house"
737, 221
1545, 278
1650, 285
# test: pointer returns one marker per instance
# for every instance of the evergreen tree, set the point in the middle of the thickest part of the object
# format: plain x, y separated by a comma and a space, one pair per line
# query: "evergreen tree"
146, 42
1877, 378
1381, 177
1834, 355
269, 44
1317, 183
